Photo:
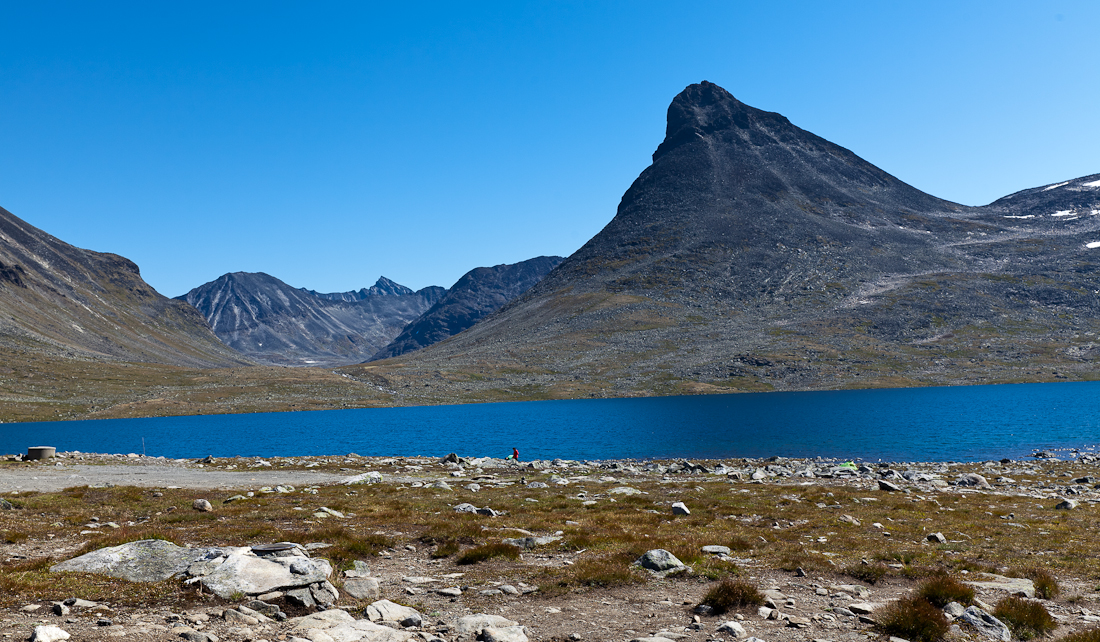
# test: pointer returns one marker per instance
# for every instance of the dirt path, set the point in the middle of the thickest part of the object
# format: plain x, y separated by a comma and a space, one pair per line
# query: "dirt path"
51, 478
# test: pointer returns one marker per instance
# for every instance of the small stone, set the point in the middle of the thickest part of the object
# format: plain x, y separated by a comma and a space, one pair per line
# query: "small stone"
732, 628
363, 588
387, 611
262, 607
679, 508
863, 608
60, 609
986, 624
236, 617
937, 538
301, 597
508, 589
973, 480
889, 487
1066, 504
324, 593
202, 505
953, 610
659, 559
449, 592
503, 634
716, 550
48, 633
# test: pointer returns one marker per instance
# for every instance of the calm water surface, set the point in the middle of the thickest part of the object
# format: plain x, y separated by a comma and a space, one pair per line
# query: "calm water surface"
970, 423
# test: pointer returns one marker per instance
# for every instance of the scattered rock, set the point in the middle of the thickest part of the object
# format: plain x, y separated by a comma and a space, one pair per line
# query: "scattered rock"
889, 487
502, 634
371, 477
1020, 586
973, 480
624, 490
527, 543
387, 611
716, 550
48, 633
659, 560
202, 505
679, 508
476, 623
953, 610
1066, 504
732, 628
937, 538
986, 624
363, 588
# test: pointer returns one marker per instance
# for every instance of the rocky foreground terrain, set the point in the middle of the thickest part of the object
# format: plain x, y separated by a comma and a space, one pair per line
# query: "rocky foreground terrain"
461, 548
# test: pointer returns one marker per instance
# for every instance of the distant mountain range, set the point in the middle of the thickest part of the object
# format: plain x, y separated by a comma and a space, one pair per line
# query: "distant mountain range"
754, 255
750, 255
62, 301
274, 323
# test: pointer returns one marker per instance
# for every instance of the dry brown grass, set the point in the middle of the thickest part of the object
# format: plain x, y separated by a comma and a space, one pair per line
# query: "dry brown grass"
776, 526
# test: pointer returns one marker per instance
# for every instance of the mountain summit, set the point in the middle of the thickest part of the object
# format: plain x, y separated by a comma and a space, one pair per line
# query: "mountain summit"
755, 255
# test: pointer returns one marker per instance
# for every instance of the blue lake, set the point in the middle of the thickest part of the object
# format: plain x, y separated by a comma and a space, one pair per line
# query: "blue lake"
970, 423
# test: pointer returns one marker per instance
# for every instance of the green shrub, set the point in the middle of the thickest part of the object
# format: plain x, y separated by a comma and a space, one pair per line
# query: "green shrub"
941, 590
1088, 635
732, 594
1026, 619
1046, 586
487, 552
912, 618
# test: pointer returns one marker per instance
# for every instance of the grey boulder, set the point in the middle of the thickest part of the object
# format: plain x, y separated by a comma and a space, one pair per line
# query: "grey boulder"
476, 623
147, 560
387, 611
363, 588
986, 624
659, 560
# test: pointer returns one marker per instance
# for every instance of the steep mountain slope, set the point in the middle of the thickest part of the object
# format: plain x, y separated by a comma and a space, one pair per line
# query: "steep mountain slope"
61, 300
755, 255
274, 323
478, 293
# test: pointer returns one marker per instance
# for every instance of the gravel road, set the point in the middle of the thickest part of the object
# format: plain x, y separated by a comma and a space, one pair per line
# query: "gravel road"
54, 478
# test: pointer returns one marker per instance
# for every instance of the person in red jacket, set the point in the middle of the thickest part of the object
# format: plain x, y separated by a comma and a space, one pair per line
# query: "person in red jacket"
514, 455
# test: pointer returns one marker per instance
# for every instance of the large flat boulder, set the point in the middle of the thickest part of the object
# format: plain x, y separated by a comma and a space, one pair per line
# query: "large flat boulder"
148, 560
242, 571
225, 571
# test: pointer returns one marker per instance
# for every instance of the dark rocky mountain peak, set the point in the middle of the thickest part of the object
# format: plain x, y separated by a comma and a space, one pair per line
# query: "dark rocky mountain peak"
752, 254
478, 293
705, 108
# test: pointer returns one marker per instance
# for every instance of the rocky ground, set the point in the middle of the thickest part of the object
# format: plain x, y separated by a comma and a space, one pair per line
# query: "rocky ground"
801, 530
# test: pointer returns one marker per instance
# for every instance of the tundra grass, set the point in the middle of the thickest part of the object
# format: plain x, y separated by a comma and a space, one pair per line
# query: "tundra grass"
774, 525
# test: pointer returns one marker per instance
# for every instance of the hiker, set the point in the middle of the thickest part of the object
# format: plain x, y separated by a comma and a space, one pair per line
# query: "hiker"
514, 455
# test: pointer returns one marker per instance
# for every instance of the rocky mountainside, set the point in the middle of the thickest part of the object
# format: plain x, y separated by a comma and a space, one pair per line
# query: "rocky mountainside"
479, 292
754, 255
61, 301
274, 323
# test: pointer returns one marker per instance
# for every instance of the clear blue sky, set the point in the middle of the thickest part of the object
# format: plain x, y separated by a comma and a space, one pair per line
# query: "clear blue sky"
327, 143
